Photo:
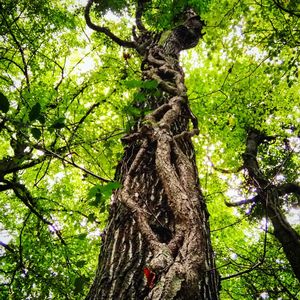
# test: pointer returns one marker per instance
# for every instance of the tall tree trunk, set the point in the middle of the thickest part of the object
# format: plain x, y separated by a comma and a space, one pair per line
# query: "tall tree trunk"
268, 195
157, 243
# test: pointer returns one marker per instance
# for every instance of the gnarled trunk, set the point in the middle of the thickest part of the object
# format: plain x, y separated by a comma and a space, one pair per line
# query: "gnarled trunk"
157, 244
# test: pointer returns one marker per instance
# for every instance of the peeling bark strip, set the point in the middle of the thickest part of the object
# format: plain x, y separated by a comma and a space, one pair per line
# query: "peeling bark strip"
158, 242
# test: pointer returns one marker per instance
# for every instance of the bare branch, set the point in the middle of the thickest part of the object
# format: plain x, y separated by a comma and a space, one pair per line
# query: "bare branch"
88, 112
9, 165
4, 187
72, 163
21, 50
243, 202
138, 16
290, 12
104, 30
227, 226
257, 264
7, 247
242, 272
25, 196
13, 62
237, 170
288, 188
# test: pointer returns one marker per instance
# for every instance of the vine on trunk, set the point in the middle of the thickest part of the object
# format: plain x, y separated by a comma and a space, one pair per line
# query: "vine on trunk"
159, 210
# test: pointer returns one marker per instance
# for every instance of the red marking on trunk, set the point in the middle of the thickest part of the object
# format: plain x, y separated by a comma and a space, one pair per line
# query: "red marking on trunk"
150, 277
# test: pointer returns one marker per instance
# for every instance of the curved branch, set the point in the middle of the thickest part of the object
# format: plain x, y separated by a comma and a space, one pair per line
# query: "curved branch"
288, 188
290, 12
10, 165
28, 200
4, 187
242, 202
257, 264
138, 16
21, 50
7, 247
51, 153
104, 30
227, 226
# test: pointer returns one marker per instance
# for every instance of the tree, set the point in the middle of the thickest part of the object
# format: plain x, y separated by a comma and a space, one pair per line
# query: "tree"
268, 198
159, 210
75, 106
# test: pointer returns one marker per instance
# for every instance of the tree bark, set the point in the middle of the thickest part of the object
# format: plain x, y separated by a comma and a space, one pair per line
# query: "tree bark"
268, 195
157, 243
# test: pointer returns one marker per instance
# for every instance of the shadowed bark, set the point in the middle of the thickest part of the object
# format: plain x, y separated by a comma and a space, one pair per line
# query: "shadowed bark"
269, 196
157, 243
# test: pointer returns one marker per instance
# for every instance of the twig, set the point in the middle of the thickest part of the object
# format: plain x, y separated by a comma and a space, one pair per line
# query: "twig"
104, 30
72, 163
243, 202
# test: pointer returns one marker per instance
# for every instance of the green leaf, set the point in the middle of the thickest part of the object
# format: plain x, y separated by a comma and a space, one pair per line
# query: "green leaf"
101, 193
91, 217
103, 207
42, 119
59, 123
133, 111
4, 103
35, 112
107, 189
79, 284
133, 83
82, 236
150, 84
94, 190
36, 133
80, 263
139, 97
96, 202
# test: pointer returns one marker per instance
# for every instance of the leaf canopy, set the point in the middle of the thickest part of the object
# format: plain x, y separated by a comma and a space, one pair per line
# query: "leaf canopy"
66, 101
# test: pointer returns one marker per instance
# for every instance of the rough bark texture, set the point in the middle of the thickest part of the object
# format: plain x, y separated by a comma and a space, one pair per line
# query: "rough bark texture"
158, 223
269, 196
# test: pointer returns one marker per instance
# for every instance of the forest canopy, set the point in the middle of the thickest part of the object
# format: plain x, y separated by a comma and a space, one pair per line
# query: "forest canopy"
66, 102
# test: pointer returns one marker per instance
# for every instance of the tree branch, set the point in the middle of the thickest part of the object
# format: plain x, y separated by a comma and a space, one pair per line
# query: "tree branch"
288, 188
7, 247
104, 30
237, 170
290, 12
138, 16
242, 272
21, 50
254, 139
257, 264
10, 165
25, 196
72, 163
227, 226
269, 194
4, 187
243, 202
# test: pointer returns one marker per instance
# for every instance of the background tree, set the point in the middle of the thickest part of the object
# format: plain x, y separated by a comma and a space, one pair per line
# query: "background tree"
66, 100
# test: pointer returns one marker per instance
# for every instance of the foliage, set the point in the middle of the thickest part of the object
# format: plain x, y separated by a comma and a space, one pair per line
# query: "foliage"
66, 100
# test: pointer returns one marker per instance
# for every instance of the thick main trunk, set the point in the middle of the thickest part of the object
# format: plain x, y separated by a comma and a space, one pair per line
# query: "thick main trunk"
157, 244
